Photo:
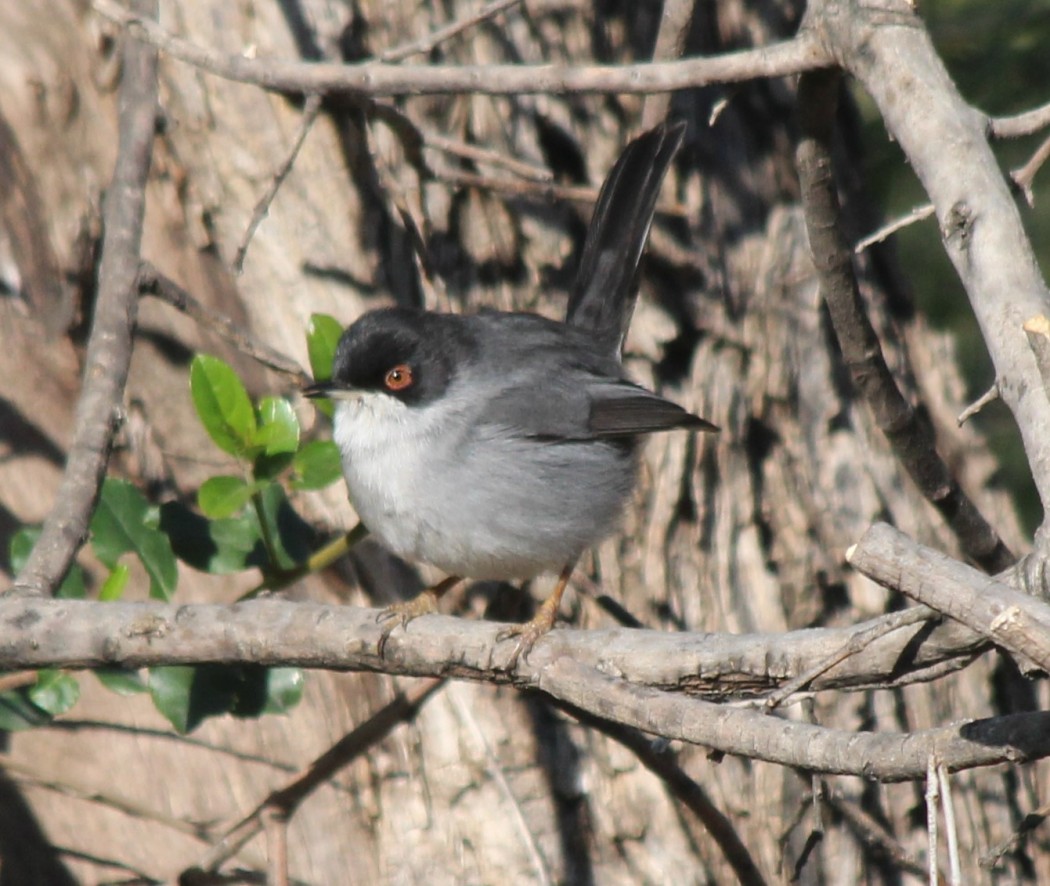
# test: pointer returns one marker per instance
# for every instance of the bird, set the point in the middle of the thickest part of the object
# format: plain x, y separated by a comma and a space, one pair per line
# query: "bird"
502, 445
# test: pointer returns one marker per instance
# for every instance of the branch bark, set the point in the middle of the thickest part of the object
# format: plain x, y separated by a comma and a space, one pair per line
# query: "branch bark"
109, 349
946, 143
1014, 620
375, 79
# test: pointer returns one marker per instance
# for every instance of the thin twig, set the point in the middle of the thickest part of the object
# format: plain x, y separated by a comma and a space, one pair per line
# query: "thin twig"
891, 228
932, 796
275, 824
539, 190
446, 32
905, 428
478, 154
857, 642
989, 396
153, 282
1030, 822
1024, 175
286, 800
311, 110
495, 771
663, 762
801, 53
98, 409
1021, 124
18, 680
676, 18
950, 832
874, 833
28, 774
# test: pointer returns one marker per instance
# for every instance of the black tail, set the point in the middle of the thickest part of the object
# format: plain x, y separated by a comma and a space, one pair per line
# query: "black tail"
603, 294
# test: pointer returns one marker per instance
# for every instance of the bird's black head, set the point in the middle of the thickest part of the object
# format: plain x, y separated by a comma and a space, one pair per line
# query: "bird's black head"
409, 354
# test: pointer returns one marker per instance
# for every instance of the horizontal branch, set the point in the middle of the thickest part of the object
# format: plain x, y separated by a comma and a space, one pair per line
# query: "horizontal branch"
570, 665
375, 79
38, 633
1016, 621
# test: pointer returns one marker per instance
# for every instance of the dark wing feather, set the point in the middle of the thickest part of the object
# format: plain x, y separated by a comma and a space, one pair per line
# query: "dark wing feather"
633, 410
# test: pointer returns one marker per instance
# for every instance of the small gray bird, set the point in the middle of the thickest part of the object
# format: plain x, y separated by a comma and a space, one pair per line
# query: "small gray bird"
503, 445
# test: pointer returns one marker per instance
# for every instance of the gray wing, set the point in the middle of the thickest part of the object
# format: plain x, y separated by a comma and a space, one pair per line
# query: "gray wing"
576, 406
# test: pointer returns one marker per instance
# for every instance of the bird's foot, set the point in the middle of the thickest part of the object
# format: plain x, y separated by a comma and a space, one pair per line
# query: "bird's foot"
402, 613
529, 632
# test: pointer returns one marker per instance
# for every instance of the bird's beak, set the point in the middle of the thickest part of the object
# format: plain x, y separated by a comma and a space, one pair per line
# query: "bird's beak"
331, 390
318, 389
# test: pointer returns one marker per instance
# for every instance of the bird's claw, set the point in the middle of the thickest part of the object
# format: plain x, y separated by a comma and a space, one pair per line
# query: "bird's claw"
402, 613
528, 635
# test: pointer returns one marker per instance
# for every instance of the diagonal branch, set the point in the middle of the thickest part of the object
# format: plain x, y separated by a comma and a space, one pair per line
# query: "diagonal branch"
886, 48
109, 348
908, 433
1012, 619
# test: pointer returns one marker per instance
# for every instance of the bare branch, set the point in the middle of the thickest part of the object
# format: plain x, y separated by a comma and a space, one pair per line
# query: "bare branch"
311, 110
84, 634
886, 757
1020, 124
570, 665
801, 53
1016, 621
109, 348
989, 396
906, 430
152, 282
946, 144
440, 35
662, 763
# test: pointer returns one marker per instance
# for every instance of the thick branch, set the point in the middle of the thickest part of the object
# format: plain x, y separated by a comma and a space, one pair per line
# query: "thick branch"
377, 79
1009, 618
81, 634
886, 47
910, 436
570, 665
109, 348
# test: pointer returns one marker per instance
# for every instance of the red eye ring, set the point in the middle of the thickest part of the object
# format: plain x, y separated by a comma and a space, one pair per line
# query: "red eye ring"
398, 378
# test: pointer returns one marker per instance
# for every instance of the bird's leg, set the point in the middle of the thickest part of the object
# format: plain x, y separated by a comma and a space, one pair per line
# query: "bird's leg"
540, 624
422, 604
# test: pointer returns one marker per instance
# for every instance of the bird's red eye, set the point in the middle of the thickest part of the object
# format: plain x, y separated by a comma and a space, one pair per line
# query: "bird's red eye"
398, 378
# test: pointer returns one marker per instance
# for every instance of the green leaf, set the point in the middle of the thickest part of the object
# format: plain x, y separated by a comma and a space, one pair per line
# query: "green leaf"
188, 695
73, 587
224, 496
122, 522
120, 680
113, 587
219, 547
278, 431
223, 406
293, 538
322, 338
171, 691
317, 465
284, 689
55, 692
